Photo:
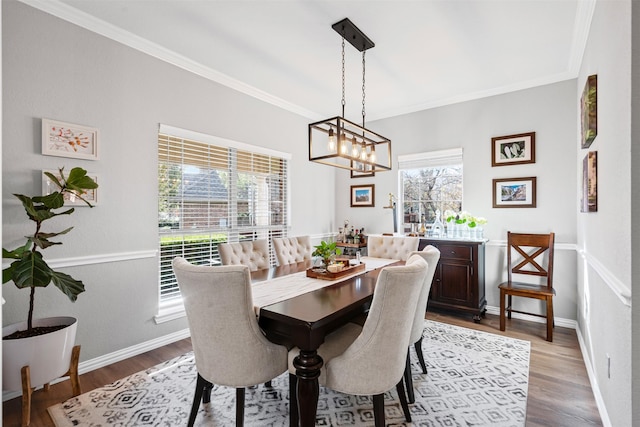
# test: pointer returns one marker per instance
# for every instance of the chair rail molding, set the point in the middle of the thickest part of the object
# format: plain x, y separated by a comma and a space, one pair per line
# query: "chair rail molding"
619, 288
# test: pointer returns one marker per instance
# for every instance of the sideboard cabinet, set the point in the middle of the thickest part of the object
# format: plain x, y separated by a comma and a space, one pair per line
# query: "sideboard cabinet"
458, 282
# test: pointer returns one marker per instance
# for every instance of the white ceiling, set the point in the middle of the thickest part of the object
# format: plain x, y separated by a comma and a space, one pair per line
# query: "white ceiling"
427, 53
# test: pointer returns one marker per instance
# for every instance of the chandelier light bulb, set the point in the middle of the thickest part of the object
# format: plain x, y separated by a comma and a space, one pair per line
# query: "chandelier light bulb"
332, 140
354, 148
343, 144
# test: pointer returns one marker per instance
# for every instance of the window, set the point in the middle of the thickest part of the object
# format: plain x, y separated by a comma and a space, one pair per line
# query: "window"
212, 190
430, 182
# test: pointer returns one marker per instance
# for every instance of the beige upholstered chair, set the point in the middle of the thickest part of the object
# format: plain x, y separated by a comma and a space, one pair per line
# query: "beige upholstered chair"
229, 347
352, 353
392, 247
253, 254
290, 250
431, 255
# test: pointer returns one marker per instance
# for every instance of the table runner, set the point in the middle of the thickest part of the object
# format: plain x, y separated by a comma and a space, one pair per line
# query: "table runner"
282, 288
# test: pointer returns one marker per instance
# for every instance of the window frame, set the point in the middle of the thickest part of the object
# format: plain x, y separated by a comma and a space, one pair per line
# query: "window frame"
171, 307
431, 159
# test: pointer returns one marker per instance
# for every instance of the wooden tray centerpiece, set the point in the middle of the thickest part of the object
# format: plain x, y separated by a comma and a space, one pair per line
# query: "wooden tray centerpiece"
322, 273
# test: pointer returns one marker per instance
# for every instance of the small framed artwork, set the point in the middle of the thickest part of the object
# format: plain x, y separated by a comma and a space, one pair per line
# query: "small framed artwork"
90, 196
513, 149
68, 140
589, 111
362, 196
590, 182
514, 192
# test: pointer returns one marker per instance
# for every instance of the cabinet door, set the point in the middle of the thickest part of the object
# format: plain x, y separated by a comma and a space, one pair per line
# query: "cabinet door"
455, 283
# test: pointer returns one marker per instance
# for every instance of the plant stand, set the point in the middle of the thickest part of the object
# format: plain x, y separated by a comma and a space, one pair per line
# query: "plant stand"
27, 390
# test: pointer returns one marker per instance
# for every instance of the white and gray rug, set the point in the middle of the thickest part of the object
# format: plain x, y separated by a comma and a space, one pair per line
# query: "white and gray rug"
475, 379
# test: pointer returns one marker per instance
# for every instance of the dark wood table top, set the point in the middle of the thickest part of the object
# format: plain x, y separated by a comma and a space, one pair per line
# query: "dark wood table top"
306, 319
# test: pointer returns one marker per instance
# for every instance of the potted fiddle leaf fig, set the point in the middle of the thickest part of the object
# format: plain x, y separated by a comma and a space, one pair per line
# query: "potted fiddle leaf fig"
29, 270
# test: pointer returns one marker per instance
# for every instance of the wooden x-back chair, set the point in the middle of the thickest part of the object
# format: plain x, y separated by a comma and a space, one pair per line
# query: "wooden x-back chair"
531, 249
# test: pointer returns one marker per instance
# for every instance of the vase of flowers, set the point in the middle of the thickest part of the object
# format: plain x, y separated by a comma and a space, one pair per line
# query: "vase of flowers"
463, 225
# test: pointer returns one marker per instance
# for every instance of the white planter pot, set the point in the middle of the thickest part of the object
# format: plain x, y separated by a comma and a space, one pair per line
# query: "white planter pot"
48, 356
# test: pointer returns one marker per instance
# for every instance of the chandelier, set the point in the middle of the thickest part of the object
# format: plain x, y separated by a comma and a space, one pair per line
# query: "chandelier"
342, 143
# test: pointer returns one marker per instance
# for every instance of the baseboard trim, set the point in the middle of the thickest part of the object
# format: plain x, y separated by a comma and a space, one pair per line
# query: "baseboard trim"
559, 321
602, 408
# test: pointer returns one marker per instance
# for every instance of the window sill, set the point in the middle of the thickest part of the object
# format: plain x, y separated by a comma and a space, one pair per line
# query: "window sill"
170, 310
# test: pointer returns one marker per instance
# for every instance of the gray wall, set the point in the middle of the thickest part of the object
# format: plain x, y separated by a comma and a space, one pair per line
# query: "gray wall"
635, 208
57, 70
604, 238
550, 111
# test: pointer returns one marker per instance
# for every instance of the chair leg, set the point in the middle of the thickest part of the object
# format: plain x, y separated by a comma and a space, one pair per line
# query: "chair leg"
378, 410
201, 384
239, 406
502, 308
408, 380
403, 401
550, 319
509, 306
294, 418
418, 346
206, 393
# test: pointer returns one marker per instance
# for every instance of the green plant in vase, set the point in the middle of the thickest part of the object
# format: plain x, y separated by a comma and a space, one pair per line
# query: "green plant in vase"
327, 251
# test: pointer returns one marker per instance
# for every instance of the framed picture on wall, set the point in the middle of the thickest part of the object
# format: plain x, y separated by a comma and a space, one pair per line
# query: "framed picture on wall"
69, 140
590, 182
362, 196
513, 149
90, 196
514, 192
589, 111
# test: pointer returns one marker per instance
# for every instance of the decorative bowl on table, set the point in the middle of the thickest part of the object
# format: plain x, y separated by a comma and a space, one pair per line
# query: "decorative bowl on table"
334, 268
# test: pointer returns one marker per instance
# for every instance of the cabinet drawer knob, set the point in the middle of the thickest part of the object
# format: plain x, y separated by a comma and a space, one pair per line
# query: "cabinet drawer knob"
453, 252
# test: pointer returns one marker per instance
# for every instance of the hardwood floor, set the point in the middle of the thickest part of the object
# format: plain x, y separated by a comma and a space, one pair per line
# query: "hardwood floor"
559, 391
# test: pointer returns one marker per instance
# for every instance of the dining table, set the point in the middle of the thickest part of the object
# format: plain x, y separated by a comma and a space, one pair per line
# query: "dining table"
299, 311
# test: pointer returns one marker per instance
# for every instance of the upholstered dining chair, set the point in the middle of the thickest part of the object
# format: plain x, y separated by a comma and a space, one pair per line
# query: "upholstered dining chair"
229, 347
370, 359
529, 255
431, 255
290, 250
254, 254
392, 247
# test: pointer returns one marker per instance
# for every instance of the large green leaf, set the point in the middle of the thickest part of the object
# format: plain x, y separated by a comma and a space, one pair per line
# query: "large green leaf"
42, 239
18, 252
54, 200
31, 271
67, 284
78, 180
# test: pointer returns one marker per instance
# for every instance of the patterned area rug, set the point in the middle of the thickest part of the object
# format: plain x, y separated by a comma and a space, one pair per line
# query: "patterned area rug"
475, 379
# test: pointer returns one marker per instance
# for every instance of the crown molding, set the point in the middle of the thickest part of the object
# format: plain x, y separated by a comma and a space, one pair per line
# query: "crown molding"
103, 28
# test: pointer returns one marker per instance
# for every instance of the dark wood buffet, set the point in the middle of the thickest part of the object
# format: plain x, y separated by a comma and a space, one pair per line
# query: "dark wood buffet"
458, 283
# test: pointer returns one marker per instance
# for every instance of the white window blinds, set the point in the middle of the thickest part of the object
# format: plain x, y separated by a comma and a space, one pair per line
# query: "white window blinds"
212, 190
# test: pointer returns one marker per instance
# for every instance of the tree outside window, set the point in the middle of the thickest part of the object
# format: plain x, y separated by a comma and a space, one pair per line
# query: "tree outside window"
429, 189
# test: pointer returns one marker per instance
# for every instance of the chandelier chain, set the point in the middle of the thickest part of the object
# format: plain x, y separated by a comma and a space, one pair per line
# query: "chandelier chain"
343, 101
363, 92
